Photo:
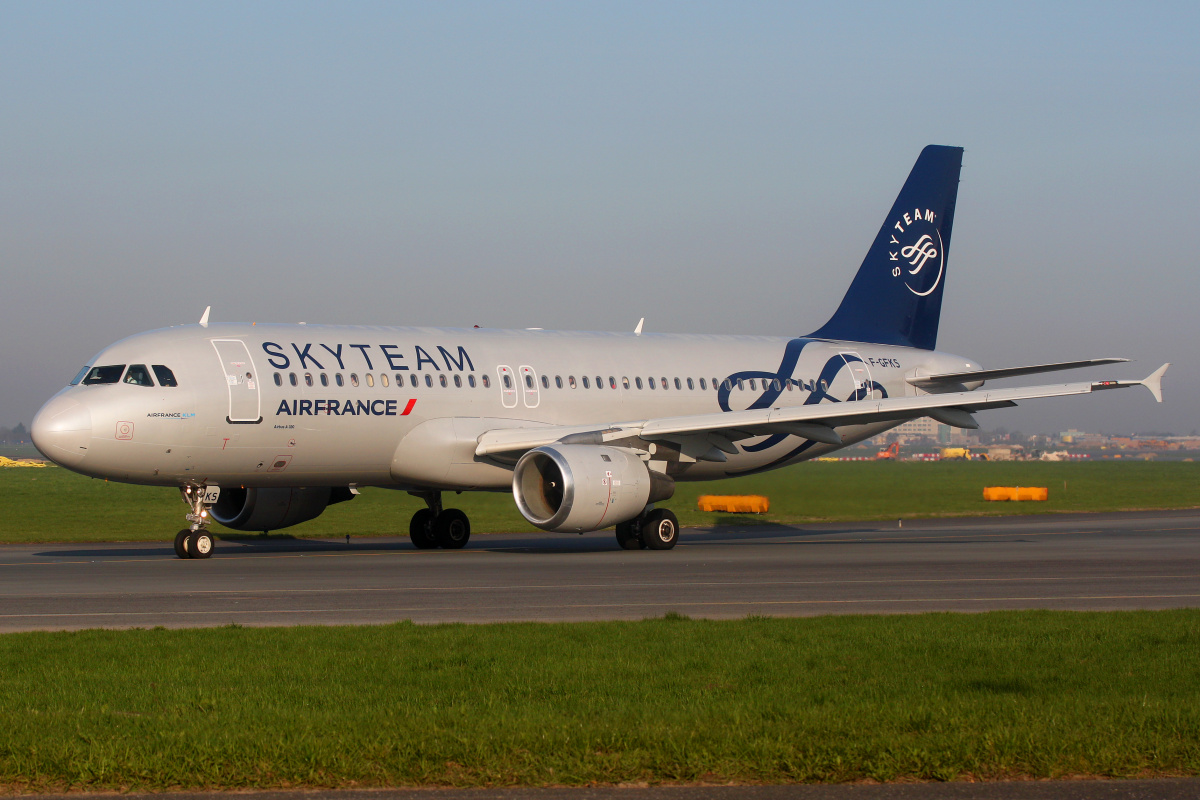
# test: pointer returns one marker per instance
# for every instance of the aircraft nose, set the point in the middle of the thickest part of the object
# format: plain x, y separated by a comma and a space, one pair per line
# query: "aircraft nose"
62, 430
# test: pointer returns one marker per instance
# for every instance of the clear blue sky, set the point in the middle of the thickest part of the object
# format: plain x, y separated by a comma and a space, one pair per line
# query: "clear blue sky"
712, 167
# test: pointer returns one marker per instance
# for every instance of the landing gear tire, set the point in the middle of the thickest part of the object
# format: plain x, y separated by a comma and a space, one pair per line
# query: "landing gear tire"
629, 536
201, 544
452, 529
182, 539
660, 529
420, 530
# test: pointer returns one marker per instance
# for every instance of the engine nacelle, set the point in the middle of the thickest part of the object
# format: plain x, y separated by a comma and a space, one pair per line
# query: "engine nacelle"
582, 487
272, 509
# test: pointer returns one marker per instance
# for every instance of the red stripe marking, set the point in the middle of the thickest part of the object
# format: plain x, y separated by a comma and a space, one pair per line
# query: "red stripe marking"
408, 408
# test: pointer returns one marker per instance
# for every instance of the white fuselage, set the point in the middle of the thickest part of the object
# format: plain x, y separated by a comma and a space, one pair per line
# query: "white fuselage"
309, 405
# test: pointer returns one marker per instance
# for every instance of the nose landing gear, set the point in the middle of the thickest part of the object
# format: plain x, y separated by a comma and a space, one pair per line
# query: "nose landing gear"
196, 541
435, 526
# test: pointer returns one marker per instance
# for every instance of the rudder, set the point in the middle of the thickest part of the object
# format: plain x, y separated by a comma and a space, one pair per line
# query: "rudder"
896, 297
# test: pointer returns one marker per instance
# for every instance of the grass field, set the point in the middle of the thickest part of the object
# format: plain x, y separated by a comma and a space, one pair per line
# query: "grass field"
53, 504
931, 697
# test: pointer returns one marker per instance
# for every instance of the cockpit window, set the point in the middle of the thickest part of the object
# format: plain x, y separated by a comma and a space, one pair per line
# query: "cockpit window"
166, 377
79, 377
109, 374
138, 375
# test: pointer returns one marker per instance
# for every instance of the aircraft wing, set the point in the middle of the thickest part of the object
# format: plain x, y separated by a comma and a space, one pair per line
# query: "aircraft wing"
952, 379
704, 433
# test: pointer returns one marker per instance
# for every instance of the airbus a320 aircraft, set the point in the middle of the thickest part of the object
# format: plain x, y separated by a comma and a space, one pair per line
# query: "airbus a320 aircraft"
264, 426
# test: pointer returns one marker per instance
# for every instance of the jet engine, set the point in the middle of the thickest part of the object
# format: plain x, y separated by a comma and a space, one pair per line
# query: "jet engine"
582, 487
272, 509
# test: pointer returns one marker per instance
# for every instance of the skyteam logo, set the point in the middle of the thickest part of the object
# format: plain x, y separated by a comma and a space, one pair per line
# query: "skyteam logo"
919, 254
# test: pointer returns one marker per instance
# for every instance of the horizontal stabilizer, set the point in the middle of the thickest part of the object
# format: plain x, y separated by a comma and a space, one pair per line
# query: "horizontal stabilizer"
950, 378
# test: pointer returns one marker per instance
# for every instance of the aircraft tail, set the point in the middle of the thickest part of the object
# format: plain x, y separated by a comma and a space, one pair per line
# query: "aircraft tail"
896, 297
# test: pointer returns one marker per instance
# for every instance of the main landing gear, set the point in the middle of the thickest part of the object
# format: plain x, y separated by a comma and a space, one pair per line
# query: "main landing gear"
657, 529
438, 527
196, 541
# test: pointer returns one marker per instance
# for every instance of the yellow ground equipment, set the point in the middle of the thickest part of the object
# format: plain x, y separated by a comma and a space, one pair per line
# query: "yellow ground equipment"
734, 503
1040, 493
8, 462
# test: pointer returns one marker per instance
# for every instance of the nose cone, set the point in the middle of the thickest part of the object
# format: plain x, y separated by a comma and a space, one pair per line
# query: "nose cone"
62, 430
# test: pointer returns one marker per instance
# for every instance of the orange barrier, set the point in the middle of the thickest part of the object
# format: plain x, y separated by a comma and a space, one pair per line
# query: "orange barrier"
735, 503
1016, 493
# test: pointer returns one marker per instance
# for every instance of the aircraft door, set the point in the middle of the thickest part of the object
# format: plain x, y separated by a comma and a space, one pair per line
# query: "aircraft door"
860, 374
508, 386
529, 385
241, 379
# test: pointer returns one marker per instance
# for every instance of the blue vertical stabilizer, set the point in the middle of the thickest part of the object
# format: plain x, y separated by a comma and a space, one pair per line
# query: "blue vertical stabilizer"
896, 297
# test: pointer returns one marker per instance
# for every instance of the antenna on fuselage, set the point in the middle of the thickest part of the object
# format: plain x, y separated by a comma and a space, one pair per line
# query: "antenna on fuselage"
204, 318
638, 330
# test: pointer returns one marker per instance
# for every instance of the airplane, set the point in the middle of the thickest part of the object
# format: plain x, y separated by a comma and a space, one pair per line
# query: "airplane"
261, 427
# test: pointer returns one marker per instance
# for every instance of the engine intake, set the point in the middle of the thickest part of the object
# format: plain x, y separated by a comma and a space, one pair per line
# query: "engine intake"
580, 487
272, 509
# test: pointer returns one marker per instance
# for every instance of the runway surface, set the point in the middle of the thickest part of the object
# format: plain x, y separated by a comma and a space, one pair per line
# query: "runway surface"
1145, 560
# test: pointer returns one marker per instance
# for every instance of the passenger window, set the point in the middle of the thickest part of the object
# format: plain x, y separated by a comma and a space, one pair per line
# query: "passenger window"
625, 382
545, 382
824, 386
442, 380
370, 379
741, 385
651, 382
665, 385
278, 380
753, 388
691, 385
678, 385
412, 381
528, 381
457, 381
791, 384
571, 381
292, 378
167, 378
337, 378
558, 381
612, 382
471, 380
775, 385
638, 381
429, 381
716, 382
702, 386
308, 379
383, 378
324, 379
110, 374
599, 382
507, 381
487, 381
586, 383
138, 375
354, 379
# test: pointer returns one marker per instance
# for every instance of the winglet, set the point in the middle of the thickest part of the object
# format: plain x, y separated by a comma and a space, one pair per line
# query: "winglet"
638, 330
1154, 382
204, 318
